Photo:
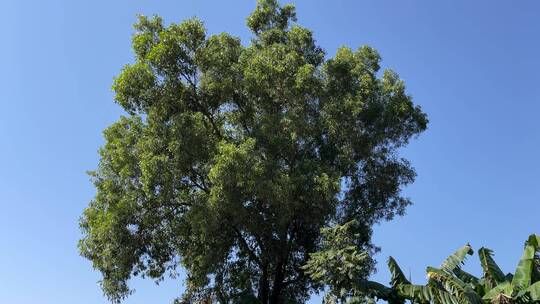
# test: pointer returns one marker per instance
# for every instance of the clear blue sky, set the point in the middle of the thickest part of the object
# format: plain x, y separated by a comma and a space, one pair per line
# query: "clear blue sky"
474, 68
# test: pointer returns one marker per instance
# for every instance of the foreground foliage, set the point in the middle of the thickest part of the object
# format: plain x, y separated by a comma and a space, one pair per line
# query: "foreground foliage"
447, 284
232, 158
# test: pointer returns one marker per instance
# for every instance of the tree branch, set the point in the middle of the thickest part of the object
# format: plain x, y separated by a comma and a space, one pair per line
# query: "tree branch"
200, 107
202, 186
246, 247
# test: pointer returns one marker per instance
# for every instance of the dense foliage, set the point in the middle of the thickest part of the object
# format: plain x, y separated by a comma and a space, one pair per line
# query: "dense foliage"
233, 157
448, 284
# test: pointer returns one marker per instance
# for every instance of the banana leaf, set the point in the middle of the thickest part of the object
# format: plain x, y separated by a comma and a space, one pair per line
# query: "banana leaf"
415, 293
492, 273
531, 294
523, 273
505, 288
457, 258
453, 285
397, 274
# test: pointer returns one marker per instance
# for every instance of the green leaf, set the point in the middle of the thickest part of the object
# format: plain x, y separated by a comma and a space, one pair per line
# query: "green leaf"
415, 293
457, 258
532, 292
445, 298
503, 288
491, 271
454, 285
522, 275
466, 277
373, 289
397, 274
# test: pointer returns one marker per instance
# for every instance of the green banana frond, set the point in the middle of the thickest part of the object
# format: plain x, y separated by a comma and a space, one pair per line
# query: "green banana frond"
535, 275
476, 284
534, 240
454, 286
531, 294
457, 258
504, 288
415, 293
492, 273
373, 289
536, 269
523, 273
466, 277
397, 274
442, 297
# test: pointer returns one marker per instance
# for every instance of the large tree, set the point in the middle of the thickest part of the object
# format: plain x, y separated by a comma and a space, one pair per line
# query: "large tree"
232, 157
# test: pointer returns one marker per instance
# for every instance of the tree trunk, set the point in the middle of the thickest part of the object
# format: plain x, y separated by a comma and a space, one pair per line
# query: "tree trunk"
263, 286
275, 297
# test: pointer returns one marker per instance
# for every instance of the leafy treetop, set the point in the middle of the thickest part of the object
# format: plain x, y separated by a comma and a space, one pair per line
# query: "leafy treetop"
232, 158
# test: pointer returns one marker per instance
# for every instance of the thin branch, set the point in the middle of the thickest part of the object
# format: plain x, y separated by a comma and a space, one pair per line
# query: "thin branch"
201, 108
246, 247
202, 186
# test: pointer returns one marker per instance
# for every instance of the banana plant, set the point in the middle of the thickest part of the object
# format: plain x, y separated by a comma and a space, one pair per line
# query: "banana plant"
444, 286
524, 285
449, 284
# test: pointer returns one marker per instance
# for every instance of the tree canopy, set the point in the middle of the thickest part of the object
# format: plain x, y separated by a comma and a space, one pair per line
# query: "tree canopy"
231, 158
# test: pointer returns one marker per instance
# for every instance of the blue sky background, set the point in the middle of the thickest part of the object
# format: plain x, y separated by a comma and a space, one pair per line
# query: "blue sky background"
474, 68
